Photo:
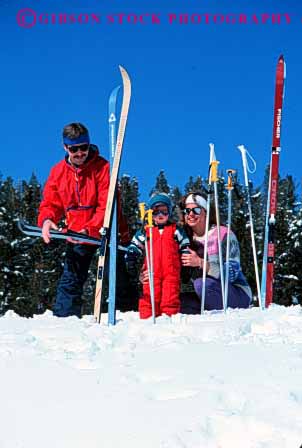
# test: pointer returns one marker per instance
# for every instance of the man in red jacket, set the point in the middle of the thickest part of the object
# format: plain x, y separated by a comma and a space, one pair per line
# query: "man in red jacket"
75, 190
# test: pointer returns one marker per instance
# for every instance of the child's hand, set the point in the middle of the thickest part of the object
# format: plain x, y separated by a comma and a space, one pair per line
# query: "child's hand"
143, 277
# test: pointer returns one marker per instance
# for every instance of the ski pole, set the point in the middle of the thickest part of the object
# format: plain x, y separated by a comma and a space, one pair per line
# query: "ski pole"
229, 187
214, 180
265, 248
204, 270
151, 274
247, 169
143, 214
143, 217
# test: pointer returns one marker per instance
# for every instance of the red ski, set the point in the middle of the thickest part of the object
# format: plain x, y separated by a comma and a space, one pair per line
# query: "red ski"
274, 174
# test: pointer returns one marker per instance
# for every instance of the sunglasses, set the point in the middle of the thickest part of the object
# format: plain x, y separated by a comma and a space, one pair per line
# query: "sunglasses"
160, 212
74, 149
195, 210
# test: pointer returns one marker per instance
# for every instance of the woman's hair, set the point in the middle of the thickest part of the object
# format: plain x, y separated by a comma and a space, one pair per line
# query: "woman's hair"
182, 206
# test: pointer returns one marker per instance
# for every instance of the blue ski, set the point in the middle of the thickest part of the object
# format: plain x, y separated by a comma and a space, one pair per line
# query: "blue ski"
113, 233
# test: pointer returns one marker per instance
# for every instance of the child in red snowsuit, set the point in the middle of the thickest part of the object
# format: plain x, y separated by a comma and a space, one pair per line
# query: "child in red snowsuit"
168, 241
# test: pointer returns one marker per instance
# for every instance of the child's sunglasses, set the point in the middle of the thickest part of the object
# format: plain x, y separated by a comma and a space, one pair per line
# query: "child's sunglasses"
160, 212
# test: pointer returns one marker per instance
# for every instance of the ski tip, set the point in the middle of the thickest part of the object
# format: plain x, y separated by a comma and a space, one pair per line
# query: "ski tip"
124, 74
122, 70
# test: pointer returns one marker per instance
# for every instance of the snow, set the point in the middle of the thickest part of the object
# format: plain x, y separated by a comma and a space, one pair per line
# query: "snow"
214, 381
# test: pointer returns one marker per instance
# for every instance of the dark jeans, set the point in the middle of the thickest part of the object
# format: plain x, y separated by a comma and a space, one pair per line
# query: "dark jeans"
70, 287
191, 302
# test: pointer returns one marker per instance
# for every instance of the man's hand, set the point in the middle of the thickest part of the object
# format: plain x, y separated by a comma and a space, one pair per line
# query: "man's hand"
75, 241
47, 226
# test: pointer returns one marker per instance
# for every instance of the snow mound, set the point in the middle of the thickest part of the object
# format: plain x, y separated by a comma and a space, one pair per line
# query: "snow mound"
211, 381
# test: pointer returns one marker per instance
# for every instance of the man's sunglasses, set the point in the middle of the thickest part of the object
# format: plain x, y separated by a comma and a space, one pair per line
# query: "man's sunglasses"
160, 212
195, 210
74, 149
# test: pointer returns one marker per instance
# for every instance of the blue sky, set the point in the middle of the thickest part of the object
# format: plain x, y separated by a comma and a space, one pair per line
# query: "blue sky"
192, 84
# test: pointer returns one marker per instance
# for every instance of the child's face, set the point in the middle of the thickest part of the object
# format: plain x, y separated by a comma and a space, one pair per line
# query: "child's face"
160, 214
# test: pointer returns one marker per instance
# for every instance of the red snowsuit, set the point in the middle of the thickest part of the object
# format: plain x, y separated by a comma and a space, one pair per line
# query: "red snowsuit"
166, 267
79, 194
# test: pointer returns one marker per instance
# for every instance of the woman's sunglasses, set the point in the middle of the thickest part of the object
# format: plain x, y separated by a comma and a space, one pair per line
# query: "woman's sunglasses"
74, 149
195, 210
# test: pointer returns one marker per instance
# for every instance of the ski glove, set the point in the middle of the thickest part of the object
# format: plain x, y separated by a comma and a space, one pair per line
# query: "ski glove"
234, 270
181, 238
132, 259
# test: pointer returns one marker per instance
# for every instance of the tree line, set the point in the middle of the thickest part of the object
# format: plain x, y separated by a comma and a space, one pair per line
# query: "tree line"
29, 269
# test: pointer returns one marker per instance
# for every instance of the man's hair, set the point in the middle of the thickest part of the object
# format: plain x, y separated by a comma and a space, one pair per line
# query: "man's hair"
74, 130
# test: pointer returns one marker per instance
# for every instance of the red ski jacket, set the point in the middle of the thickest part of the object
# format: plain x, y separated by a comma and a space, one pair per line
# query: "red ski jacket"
77, 194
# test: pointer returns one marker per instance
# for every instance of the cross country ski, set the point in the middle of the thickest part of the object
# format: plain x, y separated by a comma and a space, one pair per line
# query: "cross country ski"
105, 231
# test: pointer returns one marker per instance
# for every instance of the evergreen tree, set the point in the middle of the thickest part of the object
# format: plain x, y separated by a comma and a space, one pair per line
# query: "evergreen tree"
189, 186
161, 185
222, 199
176, 197
286, 211
241, 227
11, 274
31, 194
292, 280
129, 200
198, 185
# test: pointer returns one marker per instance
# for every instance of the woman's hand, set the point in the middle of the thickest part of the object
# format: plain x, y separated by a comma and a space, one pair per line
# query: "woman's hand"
191, 259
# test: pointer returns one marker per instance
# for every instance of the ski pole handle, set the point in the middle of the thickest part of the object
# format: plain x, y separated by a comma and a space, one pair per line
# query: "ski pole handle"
214, 171
244, 164
246, 167
231, 179
150, 218
142, 211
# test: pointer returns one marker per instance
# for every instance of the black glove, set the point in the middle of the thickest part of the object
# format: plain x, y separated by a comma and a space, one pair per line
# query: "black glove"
132, 260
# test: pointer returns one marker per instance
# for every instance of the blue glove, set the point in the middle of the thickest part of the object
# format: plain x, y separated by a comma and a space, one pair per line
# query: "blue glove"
234, 270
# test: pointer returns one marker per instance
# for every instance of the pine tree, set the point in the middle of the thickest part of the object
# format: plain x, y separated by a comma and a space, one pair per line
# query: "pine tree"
198, 185
161, 185
176, 197
189, 186
222, 199
11, 276
292, 293
31, 194
129, 200
241, 228
286, 211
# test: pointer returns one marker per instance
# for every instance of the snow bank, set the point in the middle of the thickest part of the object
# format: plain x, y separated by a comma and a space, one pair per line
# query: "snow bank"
211, 381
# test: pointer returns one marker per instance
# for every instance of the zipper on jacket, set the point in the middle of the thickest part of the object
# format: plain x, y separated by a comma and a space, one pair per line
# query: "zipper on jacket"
77, 186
